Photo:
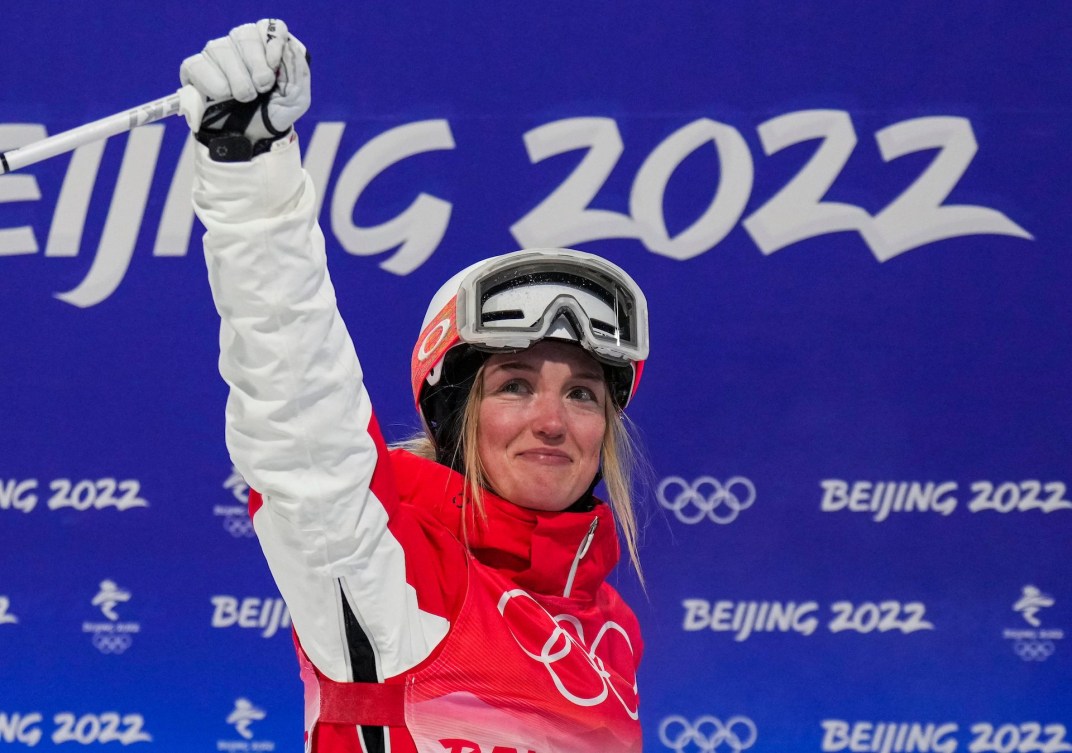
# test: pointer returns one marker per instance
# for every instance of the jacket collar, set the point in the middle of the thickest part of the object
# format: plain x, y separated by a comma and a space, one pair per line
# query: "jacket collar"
549, 553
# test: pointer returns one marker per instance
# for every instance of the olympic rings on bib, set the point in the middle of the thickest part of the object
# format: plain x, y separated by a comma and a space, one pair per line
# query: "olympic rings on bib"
561, 638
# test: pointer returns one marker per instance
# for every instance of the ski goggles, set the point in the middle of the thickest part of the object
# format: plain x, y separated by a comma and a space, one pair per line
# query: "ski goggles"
514, 302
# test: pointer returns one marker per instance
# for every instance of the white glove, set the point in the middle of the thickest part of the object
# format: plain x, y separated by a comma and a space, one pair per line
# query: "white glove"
257, 81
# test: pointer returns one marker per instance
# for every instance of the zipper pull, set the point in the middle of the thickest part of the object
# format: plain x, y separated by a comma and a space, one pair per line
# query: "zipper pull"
586, 542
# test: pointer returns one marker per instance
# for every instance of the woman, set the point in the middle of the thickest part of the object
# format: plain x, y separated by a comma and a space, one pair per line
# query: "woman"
451, 598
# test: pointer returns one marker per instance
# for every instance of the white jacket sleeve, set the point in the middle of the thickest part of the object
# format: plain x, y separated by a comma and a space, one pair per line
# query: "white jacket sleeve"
298, 415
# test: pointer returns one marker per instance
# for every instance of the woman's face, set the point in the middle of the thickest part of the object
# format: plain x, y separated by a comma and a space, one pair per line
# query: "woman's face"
541, 424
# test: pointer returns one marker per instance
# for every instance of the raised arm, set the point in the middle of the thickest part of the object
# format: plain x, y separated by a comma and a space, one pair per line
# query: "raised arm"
297, 413
300, 427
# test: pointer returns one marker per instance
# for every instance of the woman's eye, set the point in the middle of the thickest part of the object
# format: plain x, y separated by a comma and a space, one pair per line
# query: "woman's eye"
583, 393
514, 386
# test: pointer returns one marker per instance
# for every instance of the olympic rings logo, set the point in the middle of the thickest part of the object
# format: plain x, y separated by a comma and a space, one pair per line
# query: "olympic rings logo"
1031, 650
706, 497
562, 643
108, 643
239, 526
708, 733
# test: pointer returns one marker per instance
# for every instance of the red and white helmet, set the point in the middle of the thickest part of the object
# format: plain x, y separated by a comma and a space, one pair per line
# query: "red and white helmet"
511, 302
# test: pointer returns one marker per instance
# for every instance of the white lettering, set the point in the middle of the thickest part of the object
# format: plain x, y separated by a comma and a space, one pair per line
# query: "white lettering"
19, 240
882, 498
563, 218
105, 727
268, 615
835, 495
858, 496
273, 616
72, 207
797, 212
124, 219
742, 618
248, 612
917, 216
722, 615
6, 618
20, 728
566, 216
225, 613
888, 737
697, 613
418, 230
319, 156
835, 735
736, 174
18, 495
177, 221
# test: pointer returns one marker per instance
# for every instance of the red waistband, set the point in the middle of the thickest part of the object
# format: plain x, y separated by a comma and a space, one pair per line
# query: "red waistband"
370, 704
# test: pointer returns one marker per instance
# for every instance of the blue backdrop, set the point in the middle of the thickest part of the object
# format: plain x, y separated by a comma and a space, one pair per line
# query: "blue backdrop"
852, 224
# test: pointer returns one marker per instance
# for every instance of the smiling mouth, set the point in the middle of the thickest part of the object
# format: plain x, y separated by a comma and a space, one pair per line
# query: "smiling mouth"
553, 457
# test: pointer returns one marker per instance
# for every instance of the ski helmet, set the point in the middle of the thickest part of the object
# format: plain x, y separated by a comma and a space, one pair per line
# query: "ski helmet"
511, 302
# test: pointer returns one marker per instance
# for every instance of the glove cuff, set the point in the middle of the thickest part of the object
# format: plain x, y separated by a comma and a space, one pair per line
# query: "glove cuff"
231, 146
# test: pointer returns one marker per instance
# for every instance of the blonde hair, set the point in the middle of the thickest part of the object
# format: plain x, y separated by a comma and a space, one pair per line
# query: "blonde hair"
619, 457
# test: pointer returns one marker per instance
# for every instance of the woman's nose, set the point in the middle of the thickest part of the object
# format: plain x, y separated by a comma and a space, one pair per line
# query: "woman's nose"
549, 418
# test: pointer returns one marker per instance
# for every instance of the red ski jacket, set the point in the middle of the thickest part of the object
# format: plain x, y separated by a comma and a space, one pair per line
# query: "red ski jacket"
415, 632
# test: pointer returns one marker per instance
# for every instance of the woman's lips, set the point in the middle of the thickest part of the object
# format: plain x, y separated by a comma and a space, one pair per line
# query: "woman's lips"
546, 455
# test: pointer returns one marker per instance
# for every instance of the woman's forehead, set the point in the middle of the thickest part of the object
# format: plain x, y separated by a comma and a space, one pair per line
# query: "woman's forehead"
549, 352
